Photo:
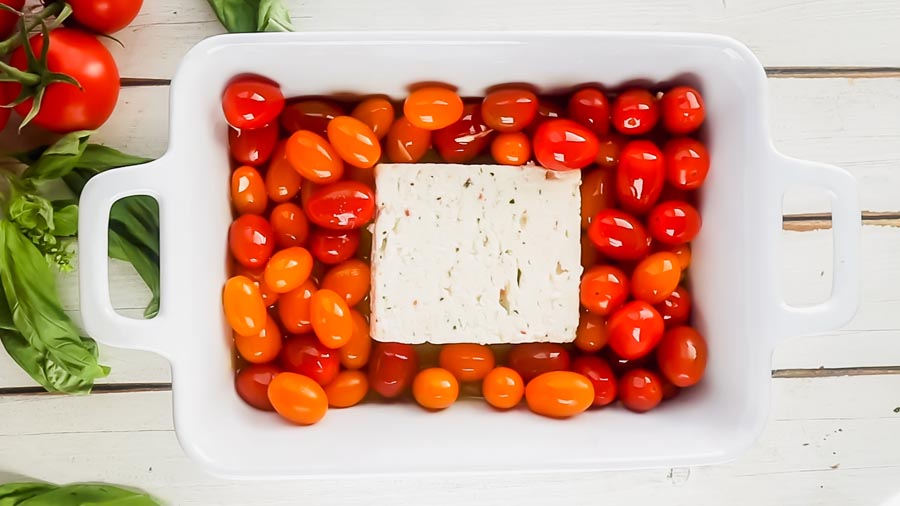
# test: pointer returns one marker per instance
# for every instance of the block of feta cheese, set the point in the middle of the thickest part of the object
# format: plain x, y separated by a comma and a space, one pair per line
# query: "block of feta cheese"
484, 254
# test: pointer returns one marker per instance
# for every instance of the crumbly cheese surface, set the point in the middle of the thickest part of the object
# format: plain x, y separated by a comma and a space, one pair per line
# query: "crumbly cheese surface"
475, 254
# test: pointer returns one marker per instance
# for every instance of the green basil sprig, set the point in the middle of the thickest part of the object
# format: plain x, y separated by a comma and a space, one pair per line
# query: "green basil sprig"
243, 16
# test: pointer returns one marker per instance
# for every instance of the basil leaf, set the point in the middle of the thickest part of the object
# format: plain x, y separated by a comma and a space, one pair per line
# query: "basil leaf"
65, 221
237, 16
78, 494
60, 158
98, 158
273, 17
145, 262
14, 494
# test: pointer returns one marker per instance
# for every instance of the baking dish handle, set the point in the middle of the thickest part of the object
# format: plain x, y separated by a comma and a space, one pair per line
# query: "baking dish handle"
100, 318
846, 220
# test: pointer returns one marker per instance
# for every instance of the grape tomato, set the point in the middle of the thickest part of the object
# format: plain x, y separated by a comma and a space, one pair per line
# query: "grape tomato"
597, 194
591, 334
533, 359
562, 144
640, 177
313, 115
248, 191
467, 362
433, 107
465, 139
252, 147
635, 329
512, 148
687, 163
251, 240
635, 112
674, 222
509, 110
341, 206
406, 143
288, 269
305, 355
251, 103
313, 157
261, 347
655, 277
683, 110
354, 141
244, 307
601, 376
282, 181
252, 384
603, 289
330, 318
619, 235
289, 224
347, 389
392, 367
333, 246
640, 390
435, 388
297, 398
559, 394
676, 308
355, 354
377, 113
590, 107
293, 308
682, 355
349, 279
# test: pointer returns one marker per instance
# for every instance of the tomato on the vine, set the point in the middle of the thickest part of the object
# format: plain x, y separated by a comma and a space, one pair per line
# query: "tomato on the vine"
105, 16
8, 20
251, 103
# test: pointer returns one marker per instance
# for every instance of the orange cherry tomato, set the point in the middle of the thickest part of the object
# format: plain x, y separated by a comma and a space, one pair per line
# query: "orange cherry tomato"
655, 277
509, 110
406, 143
559, 394
288, 269
252, 147
533, 359
312, 115
257, 276
350, 280
331, 320
465, 139
392, 368
512, 148
468, 362
297, 398
289, 224
313, 157
282, 181
377, 113
634, 330
604, 289
433, 107
355, 354
435, 388
354, 141
252, 384
640, 390
248, 191
261, 347
347, 389
590, 107
244, 306
681, 356
591, 334
610, 147
293, 308
676, 308
598, 371
598, 192
503, 388
682, 251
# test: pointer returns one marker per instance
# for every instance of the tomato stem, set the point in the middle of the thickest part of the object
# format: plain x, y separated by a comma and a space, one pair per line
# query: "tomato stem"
14, 74
59, 9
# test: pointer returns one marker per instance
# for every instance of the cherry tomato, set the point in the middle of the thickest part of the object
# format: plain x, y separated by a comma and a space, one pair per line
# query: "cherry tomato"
597, 194
354, 141
590, 107
253, 147
547, 109
604, 289
655, 277
252, 103
682, 110
333, 246
610, 147
676, 308
561, 144
533, 359
105, 16
350, 280
307, 356
252, 384
293, 309
288, 269
600, 375
687, 163
634, 330
244, 307
256, 275
289, 224
640, 177
509, 110
559, 394
640, 390
674, 222
313, 157
331, 320
261, 347
591, 334
465, 139
503, 388
297, 398
392, 367
348, 389
435, 388
406, 143
282, 181
248, 191
433, 107
682, 251
251, 240
355, 354
511, 149
468, 362
312, 115
635, 112
377, 113
682, 356
341, 206
669, 389
619, 235
8, 20
621, 365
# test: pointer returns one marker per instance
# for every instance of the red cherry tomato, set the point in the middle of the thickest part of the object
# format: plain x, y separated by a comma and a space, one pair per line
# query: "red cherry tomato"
635, 112
313, 157
354, 141
312, 115
562, 144
621, 365
687, 163
681, 356
251, 240
433, 107
682, 110
294, 308
533, 359
252, 103
406, 143
392, 367
590, 107
635, 329
333, 246
253, 147
600, 375
640, 177
655, 277
604, 289
104, 16
610, 147
640, 390
9, 19
547, 109
509, 110
248, 191
511, 148
307, 356
597, 193
619, 235
377, 113
341, 206
465, 139
676, 309
252, 383
289, 224
674, 222
282, 181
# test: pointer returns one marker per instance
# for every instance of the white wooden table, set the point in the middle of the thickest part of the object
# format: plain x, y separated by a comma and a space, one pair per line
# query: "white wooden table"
832, 438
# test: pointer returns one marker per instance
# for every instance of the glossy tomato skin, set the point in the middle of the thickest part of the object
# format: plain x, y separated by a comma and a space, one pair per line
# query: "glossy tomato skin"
559, 394
354, 141
503, 388
635, 112
287, 269
245, 310
687, 163
293, 308
305, 355
465, 139
377, 113
8, 19
676, 308
105, 16
342, 206
597, 193
252, 103
309, 114
682, 356
610, 148
533, 359
468, 362
562, 144
355, 354
601, 376
392, 367
619, 235
289, 224
333, 246
591, 334
248, 191
251, 240
512, 148
603, 289
509, 110
348, 389
256, 275
640, 177
406, 143
252, 147
350, 279
282, 181
435, 388
433, 107
297, 398
634, 330
313, 157
656, 277
66, 108
640, 390
674, 222
252, 384
548, 109
683, 110
262, 347
331, 319
590, 107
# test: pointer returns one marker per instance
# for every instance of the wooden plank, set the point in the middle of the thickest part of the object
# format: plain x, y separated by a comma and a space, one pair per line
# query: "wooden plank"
830, 442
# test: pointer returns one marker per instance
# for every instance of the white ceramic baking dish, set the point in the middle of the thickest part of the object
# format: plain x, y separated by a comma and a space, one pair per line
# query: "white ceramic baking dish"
735, 273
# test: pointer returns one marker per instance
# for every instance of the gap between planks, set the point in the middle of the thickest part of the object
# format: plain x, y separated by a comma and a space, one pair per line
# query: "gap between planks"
822, 221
